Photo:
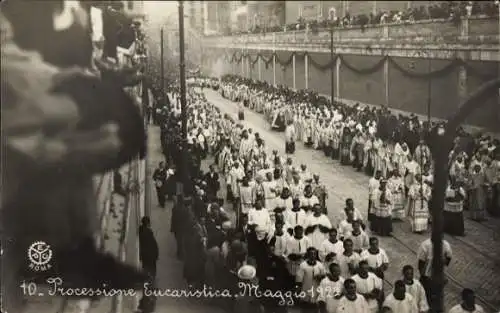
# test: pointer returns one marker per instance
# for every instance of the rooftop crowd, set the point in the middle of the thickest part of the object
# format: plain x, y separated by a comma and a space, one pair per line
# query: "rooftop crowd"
282, 238
451, 10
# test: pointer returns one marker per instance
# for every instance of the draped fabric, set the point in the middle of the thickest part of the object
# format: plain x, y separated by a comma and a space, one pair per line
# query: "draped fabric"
446, 70
416, 84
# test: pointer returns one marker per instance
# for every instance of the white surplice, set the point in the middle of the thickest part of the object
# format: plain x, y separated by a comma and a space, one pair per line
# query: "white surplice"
296, 246
360, 305
365, 286
317, 237
407, 305
345, 260
308, 275
262, 219
328, 247
295, 218
328, 290
417, 291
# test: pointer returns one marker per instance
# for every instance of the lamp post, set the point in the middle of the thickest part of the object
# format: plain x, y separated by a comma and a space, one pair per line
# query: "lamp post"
184, 175
162, 65
429, 90
429, 83
332, 79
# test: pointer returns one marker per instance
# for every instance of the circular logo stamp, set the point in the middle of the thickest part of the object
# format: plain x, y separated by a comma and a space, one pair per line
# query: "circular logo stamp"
39, 255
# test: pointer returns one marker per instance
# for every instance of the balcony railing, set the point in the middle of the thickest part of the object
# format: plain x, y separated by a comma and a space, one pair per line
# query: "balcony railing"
474, 30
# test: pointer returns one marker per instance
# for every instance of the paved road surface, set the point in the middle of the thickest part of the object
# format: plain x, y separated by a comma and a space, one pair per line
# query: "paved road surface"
475, 262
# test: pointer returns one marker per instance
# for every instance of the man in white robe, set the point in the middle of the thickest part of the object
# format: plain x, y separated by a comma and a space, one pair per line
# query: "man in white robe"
235, 176
290, 137
246, 146
317, 227
399, 300
425, 256
279, 237
331, 289
296, 249
352, 302
246, 196
415, 289
331, 248
348, 260
296, 216
468, 304
269, 187
309, 274
260, 220
368, 285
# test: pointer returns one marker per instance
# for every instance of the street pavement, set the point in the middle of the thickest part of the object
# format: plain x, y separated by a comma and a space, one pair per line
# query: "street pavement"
475, 257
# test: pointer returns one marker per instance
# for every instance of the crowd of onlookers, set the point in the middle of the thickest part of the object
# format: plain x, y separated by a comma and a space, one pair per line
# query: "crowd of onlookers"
452, 10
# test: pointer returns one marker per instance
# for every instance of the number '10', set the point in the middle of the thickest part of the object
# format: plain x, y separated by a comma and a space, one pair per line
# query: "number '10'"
28, 289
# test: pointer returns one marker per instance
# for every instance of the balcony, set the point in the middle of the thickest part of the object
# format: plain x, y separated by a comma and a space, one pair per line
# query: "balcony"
474, 31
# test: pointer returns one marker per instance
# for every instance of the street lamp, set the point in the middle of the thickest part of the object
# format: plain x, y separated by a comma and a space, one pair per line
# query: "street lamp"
332, 79
162, 51
184, 175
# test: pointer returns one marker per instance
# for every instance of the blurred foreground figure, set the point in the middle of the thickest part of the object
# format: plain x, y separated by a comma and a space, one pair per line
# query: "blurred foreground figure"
60, 126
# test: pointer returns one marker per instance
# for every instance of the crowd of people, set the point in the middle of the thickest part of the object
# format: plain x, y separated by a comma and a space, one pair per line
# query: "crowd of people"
453, 10
396, 152
281, 240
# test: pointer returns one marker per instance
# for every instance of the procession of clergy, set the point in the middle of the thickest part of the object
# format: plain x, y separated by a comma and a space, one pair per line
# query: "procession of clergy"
396, 158
281, 211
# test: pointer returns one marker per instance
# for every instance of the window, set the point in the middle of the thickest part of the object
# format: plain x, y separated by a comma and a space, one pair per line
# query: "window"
130, 5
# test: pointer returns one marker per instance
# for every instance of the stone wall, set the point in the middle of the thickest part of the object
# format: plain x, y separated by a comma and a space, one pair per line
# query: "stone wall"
475, 31
414, 49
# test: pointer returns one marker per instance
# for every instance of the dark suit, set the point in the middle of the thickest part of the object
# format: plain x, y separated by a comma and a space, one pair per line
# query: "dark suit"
148, 250
213, 184
160, 175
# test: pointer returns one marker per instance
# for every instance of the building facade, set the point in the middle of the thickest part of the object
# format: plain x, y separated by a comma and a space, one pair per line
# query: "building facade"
264, 14
217, 16
195, 10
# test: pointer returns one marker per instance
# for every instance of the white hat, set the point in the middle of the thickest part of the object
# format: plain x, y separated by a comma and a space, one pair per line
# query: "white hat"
247, 272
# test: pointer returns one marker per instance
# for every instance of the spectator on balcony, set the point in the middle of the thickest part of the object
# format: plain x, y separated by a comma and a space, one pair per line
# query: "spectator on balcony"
384, 18
397, 18
468, 8
347, 20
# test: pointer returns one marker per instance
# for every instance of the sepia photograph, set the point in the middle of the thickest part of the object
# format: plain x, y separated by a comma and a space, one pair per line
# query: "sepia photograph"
250, 156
